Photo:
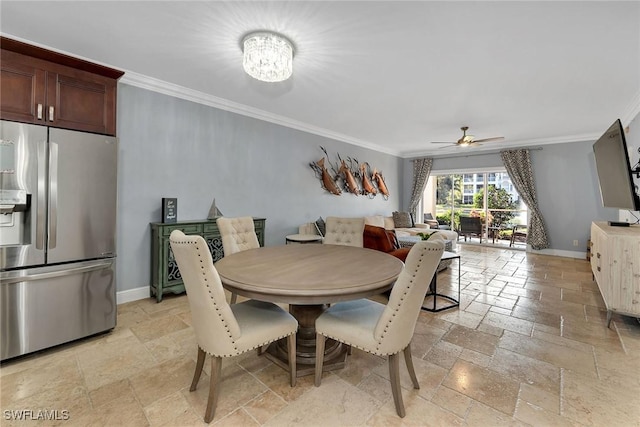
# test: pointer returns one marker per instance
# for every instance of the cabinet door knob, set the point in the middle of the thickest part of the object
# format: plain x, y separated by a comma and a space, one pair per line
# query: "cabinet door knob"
51, 113
598, 254
598, 268
39, 111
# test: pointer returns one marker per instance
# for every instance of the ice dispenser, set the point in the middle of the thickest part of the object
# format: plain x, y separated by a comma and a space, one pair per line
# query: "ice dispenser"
14, 202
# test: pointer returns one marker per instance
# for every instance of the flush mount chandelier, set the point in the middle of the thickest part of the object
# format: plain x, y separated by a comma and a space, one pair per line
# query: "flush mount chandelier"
267, 56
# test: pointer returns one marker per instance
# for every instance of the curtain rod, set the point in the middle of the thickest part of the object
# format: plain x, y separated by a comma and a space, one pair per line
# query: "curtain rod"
451, 156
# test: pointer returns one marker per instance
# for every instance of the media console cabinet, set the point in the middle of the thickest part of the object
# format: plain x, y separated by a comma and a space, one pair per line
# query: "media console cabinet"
615, 263
165, 276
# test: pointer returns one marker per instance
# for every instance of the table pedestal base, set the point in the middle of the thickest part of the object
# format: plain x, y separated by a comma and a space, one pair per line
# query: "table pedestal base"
335, 353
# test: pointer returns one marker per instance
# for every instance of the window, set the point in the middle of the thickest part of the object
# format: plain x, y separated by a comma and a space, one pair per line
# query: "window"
453, 195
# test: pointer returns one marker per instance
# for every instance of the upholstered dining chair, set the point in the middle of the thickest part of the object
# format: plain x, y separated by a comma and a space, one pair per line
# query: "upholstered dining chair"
238, 234
344, 231
224, 330
384, 330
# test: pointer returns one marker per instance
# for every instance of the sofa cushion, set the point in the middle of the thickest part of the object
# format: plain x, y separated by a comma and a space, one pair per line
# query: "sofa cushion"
402, 220
377, 220
388, 223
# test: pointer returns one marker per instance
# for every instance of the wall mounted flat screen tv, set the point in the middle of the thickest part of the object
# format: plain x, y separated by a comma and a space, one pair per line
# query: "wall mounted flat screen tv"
614, 170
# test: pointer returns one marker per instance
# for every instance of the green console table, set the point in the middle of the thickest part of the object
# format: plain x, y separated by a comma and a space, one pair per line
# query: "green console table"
165, 276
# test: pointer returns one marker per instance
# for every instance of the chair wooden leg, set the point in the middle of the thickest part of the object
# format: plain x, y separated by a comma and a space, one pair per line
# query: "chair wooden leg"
234, 298
214, 388
198, 372
409, 362
320, 340
394, 375
291, 343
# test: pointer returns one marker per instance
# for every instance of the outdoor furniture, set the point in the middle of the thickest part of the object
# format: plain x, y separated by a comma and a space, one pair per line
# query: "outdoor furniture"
518, 233
384, 330
237, 234
496, 230
430, 221
433, 222
344, 231
308, 277
470, 226
224, 330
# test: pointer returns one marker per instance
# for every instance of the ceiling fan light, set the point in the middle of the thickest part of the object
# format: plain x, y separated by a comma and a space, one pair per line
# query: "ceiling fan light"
268, 57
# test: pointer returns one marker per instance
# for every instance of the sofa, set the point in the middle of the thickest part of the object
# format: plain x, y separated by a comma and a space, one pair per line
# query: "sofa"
388, 223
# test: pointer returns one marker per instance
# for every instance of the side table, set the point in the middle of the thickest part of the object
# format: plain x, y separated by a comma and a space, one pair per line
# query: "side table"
433, 287
302, 238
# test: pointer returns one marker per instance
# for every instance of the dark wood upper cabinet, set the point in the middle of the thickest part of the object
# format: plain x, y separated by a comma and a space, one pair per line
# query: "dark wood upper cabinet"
43, 87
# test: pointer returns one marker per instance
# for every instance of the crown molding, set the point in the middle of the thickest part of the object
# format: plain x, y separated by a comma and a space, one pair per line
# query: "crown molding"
632, 111
160, 86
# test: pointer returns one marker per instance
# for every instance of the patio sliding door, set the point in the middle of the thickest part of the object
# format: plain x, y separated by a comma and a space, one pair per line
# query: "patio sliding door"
488, 195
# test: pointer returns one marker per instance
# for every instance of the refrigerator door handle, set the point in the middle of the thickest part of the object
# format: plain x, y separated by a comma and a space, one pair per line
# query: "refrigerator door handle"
53, 194
8, 278
41, 211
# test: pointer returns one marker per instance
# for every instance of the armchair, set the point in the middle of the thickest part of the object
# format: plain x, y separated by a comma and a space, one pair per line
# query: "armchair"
430, 221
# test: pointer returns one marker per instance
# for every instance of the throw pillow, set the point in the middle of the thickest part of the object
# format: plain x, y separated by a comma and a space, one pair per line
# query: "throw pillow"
391, 235
322, 227
376, 238
401, 219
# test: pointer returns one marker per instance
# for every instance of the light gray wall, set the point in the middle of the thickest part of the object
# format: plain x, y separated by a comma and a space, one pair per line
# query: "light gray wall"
170, 147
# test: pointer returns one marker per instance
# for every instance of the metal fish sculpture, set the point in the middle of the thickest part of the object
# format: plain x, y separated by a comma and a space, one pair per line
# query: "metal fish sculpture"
377, 176
352, 185
367, 186
322, 173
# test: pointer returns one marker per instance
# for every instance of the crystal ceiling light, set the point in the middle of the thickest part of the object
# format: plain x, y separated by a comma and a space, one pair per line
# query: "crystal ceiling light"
267, 57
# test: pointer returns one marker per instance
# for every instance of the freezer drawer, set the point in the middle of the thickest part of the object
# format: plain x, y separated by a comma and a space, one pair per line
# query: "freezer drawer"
48, 306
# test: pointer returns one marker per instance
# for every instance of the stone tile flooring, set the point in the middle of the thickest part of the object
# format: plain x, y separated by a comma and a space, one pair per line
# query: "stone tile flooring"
528, 346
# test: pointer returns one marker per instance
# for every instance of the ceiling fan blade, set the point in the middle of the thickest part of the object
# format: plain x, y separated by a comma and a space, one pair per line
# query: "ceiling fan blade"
447, 146
497, 138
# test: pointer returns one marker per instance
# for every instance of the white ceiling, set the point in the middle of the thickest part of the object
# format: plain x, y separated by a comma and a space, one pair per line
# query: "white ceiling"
387, 75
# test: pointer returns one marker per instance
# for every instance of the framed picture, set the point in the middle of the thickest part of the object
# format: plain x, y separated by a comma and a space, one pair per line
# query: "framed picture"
169, 210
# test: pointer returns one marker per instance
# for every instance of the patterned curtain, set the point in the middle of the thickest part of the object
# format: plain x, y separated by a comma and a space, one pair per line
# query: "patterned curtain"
518, 165
421, 171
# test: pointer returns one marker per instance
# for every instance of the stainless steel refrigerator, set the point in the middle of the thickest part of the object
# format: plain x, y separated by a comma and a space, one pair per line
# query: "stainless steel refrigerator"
57, 236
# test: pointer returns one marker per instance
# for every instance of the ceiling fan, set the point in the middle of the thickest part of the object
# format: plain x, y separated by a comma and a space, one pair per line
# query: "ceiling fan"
469, 140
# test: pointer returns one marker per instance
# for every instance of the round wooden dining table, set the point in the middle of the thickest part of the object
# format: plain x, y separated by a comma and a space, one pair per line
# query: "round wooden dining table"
308, 278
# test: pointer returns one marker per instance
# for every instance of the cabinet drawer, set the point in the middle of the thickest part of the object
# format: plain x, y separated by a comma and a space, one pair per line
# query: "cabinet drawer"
211, 228
186, 229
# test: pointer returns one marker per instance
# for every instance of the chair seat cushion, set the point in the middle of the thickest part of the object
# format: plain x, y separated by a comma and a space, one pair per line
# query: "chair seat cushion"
351, 322
259, 319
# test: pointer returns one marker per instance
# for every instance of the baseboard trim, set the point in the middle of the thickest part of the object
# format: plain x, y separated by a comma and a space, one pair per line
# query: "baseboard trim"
130, 295
562, 253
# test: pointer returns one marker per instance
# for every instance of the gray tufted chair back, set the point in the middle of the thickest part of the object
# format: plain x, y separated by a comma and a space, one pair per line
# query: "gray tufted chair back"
344, 231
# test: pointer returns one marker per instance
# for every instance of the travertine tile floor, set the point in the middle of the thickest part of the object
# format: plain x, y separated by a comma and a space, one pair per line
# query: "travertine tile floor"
528, 346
